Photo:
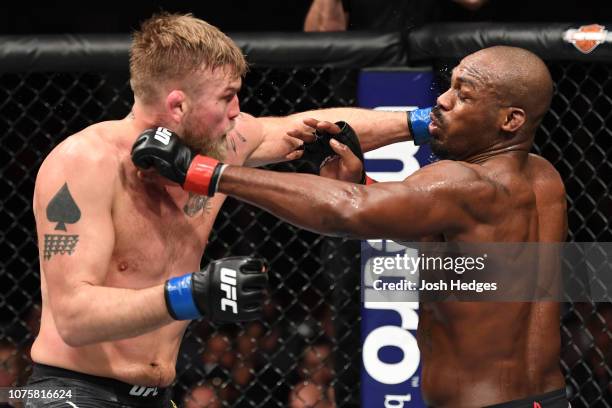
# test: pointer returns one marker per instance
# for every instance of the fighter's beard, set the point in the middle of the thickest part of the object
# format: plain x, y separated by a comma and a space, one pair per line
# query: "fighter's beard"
217, 148
438, 152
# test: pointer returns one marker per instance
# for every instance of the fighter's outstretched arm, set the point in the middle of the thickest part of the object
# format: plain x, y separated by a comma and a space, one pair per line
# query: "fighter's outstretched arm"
432, 201
278, 137
374, 128
439, 198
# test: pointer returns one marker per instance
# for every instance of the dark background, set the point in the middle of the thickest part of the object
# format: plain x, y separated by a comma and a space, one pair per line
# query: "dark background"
27, 17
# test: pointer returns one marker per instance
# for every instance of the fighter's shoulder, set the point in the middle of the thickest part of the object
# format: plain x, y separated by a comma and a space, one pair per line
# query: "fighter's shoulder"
543, 166
545, 175
82, 154
449, 172
459, 179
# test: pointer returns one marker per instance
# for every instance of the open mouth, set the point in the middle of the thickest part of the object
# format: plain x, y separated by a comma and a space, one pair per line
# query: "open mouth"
434, 124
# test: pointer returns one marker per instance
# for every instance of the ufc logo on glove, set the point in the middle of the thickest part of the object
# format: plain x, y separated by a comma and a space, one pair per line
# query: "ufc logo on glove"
163, 135
214, 291
228, 285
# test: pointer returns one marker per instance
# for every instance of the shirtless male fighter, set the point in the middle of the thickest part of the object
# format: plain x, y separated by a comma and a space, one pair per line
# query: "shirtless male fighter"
118, 246
487, 188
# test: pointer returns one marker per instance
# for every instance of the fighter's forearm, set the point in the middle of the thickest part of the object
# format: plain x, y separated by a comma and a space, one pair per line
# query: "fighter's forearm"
374, 128
95, 314
314, 203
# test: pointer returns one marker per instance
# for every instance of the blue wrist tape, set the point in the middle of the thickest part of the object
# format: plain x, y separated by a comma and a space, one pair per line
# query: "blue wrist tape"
418, 122
179, 298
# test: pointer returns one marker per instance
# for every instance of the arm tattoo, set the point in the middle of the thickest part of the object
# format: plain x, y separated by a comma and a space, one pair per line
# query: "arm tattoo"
59, 244
61, 209
195, 203
231, 139
242, 138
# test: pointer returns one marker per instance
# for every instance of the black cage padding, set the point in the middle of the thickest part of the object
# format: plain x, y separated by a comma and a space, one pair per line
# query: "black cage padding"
91, 52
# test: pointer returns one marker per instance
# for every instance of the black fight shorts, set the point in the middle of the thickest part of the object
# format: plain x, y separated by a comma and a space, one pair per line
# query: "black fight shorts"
553, 399
90, 391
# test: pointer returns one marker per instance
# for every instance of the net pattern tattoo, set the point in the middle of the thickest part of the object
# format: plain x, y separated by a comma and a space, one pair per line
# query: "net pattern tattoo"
59, 244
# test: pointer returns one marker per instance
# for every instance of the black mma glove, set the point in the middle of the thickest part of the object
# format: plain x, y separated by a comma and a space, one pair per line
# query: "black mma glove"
227, 290
162, 149
319, 151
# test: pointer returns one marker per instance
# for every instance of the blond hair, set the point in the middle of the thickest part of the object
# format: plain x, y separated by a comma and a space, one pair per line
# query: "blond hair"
172, 47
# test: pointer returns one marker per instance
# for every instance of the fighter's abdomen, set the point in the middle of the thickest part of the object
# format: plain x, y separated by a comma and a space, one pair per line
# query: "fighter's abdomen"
477, 354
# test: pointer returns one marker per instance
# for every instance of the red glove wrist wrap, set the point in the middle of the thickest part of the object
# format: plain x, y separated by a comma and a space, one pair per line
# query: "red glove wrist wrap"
199, 175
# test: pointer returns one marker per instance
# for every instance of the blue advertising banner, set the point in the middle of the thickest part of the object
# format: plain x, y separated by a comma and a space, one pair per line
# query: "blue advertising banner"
390, 374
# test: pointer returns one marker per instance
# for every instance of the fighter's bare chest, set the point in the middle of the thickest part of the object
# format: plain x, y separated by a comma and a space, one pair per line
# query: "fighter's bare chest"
158, 235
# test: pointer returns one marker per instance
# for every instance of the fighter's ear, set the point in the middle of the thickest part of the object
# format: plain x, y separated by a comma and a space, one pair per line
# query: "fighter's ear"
176, 104
513, 119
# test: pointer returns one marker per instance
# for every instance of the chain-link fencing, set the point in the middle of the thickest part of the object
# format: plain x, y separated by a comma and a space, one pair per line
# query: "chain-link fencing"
308, 345
576, 137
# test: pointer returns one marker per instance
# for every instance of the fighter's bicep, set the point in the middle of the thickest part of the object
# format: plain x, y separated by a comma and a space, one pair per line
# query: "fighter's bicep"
74, 226
439, 212
75, 235
405, 211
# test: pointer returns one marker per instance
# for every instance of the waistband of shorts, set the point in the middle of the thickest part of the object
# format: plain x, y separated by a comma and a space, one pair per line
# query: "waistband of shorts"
552, 399
121, 389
